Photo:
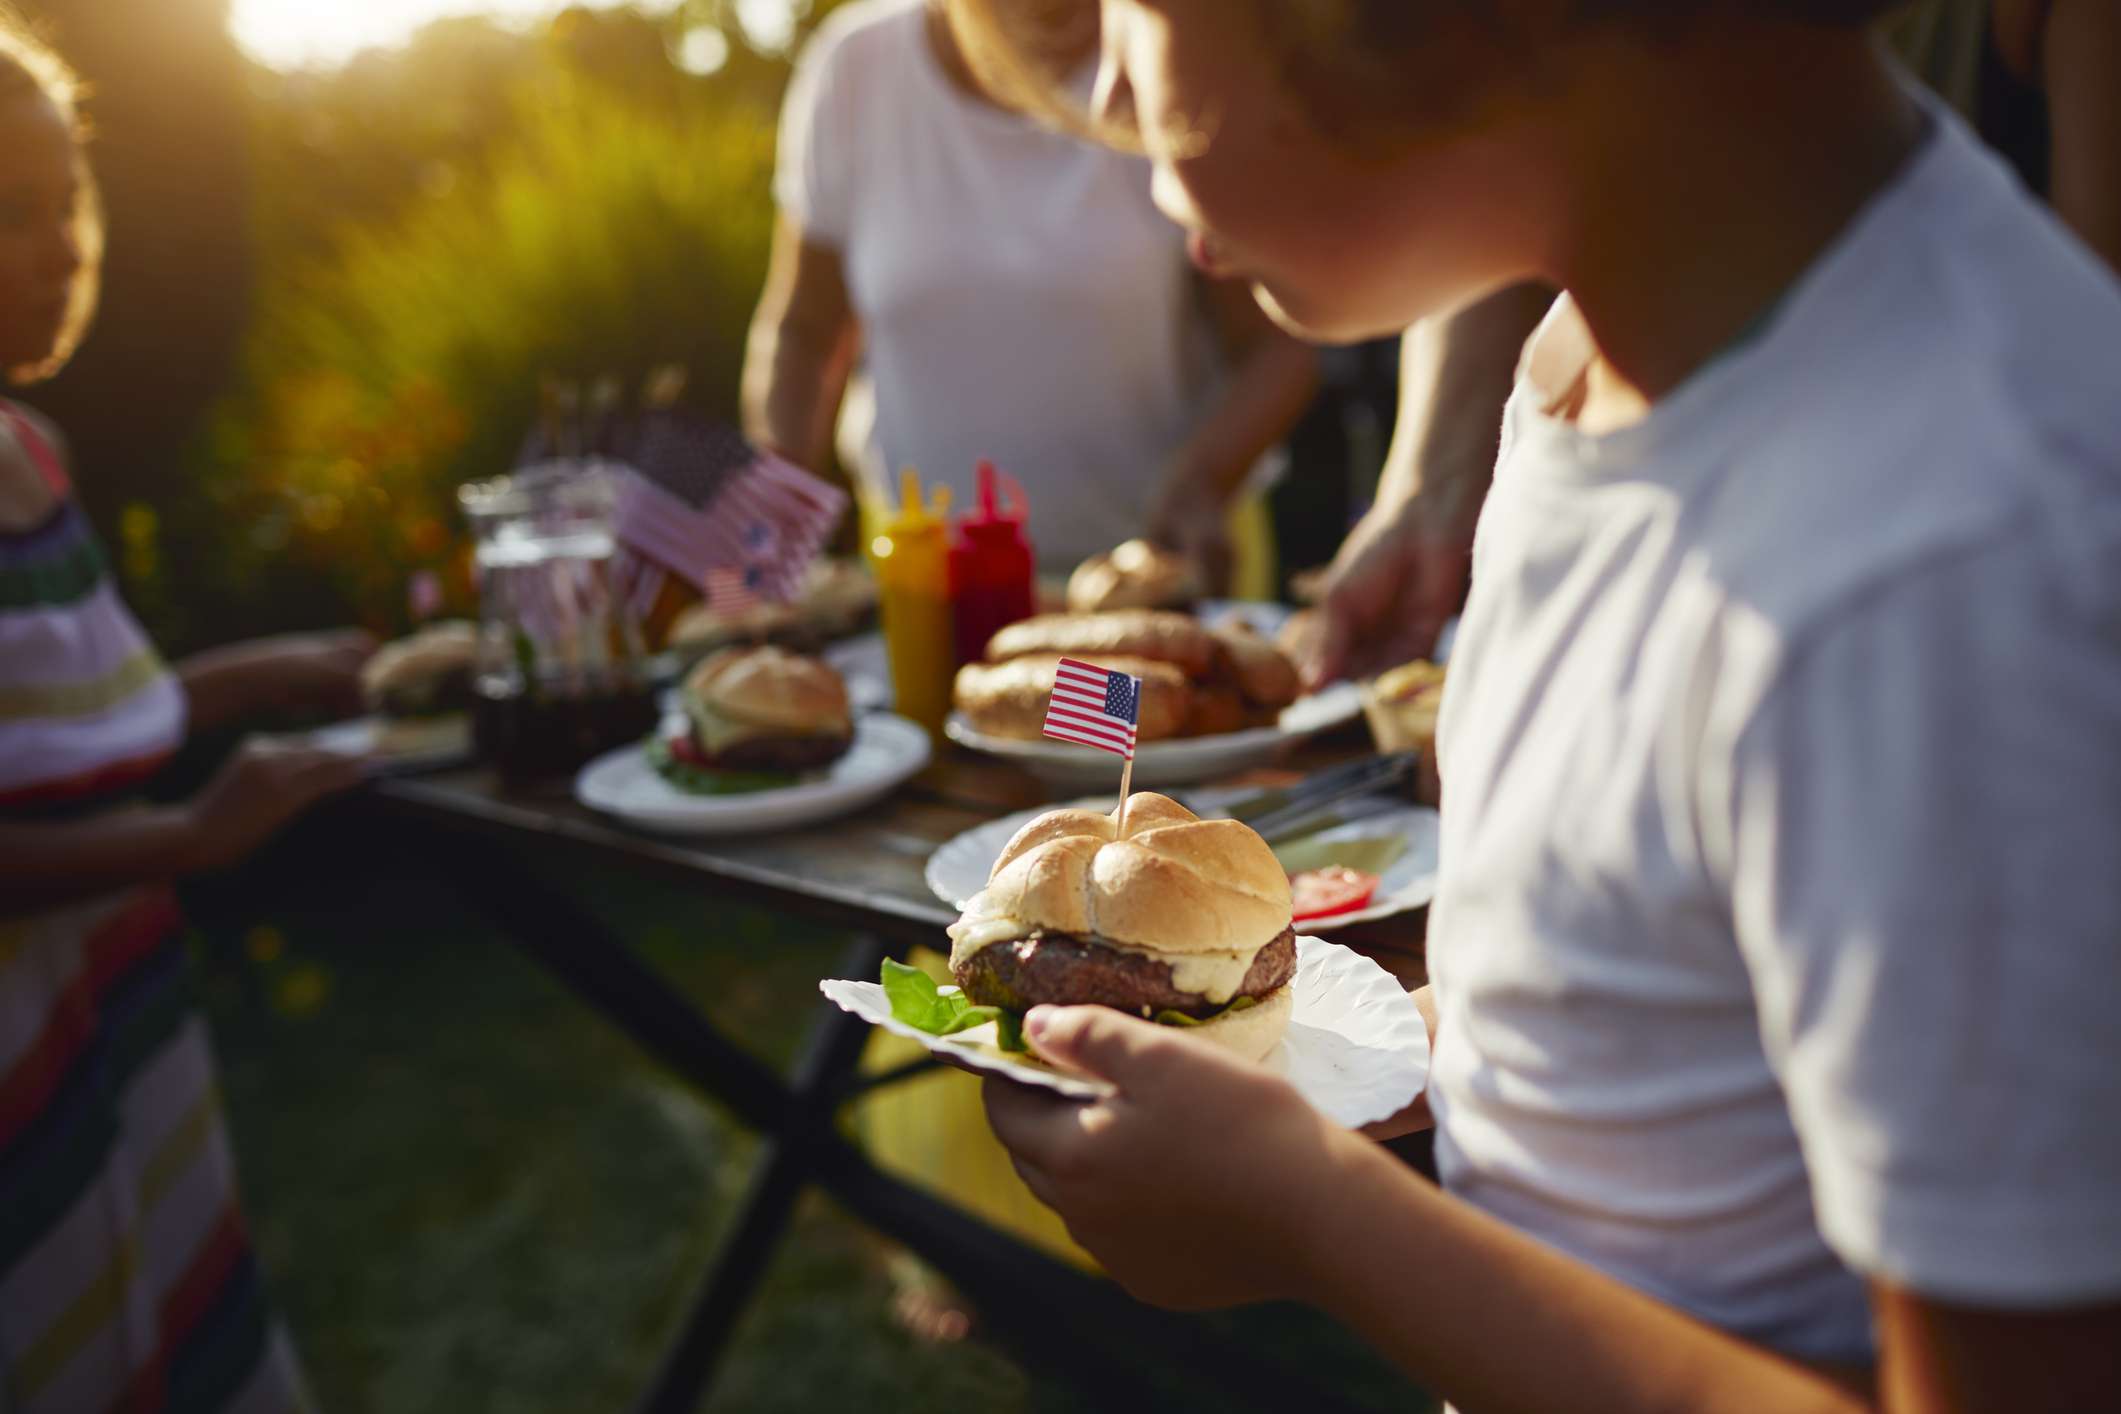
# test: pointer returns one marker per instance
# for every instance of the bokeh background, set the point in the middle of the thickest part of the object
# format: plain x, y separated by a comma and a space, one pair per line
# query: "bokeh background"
335, 281
334, 284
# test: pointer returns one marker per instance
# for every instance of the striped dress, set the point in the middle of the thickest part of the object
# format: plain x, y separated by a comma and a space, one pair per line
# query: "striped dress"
126, 1276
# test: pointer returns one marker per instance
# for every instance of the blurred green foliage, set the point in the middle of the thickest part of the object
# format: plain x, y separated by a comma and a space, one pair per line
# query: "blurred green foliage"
438, 228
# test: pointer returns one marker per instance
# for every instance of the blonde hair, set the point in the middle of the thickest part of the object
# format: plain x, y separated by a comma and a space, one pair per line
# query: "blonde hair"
29, 67
1019, 52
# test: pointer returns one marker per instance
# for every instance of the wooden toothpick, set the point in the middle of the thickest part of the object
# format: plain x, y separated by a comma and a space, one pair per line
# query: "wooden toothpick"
1126, 783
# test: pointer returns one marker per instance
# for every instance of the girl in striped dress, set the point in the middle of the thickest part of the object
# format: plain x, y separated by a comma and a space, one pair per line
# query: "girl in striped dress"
126, 1276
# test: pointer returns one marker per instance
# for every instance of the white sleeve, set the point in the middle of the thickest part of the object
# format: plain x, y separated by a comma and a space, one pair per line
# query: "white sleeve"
813, 162
1926, 887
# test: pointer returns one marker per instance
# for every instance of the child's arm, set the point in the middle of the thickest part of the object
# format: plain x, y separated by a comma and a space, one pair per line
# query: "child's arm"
1401, 572
1204, 1182
800, 349
2081, 55
2072, 50
266, 785
318, 672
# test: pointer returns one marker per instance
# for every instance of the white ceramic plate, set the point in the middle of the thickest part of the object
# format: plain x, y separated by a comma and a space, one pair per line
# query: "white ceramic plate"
1183, 761
1356, 1047
886, 751
400, 748
959, 868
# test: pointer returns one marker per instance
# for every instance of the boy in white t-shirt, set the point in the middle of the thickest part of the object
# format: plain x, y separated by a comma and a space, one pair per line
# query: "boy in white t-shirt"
1776, 952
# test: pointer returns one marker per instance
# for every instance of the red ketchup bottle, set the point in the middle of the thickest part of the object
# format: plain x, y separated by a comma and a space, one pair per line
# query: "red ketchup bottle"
990, 566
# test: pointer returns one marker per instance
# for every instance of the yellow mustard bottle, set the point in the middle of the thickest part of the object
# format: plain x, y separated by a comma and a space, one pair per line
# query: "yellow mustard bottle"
911, 555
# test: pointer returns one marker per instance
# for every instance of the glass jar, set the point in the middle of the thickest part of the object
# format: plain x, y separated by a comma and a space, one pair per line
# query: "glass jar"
561, 673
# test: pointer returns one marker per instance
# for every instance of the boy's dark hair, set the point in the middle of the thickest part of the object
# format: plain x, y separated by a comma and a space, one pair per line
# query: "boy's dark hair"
1843, 14
31, 68
1348, 59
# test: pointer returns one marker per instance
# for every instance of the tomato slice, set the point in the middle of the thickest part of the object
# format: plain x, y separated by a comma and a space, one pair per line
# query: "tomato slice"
1328, 892
684, 749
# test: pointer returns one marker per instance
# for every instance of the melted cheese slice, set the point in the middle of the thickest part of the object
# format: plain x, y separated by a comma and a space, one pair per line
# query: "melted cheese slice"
1213, 976
716, 732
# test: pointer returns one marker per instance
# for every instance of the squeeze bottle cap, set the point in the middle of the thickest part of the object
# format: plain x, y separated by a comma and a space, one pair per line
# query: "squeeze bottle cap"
991, 517
913, 516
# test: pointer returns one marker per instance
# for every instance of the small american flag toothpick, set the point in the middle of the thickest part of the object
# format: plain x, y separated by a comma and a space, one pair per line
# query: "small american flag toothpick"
1098, 707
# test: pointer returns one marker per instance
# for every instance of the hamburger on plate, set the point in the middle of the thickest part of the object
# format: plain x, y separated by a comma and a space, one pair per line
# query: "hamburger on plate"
421, 687
752, 718
1180, 920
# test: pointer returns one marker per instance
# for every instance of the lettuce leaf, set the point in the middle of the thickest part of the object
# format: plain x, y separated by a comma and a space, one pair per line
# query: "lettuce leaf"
1369, 854
697, 780
1179, 1018
917, 1000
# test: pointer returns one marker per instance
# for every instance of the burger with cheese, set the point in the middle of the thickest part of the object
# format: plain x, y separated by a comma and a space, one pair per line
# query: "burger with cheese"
421, 689
752, 717
1179, 920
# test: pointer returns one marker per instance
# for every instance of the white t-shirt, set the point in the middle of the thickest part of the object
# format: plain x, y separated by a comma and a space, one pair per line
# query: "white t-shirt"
1020, 297
1779, 934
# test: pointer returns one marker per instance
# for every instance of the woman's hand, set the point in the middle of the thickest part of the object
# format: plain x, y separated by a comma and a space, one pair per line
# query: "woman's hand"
264, 786
1397, 580
1194, 1182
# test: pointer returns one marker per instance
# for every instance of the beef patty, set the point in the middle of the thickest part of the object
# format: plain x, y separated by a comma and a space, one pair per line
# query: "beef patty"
1061, 968
778, 753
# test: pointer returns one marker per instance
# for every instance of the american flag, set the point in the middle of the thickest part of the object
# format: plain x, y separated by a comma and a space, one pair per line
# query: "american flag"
731, 590
766, 518
1095, 707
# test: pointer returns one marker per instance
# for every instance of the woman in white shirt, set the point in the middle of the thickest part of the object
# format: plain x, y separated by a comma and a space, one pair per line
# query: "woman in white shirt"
1013, 294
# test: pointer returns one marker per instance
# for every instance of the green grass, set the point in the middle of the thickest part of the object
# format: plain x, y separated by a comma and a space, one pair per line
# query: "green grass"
470, 1193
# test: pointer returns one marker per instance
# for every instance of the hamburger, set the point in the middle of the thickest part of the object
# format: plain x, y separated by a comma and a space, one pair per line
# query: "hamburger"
755, 712
1180, 920
422, 686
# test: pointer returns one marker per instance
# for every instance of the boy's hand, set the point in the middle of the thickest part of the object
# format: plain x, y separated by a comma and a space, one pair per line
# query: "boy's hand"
1193, 1183
265, 785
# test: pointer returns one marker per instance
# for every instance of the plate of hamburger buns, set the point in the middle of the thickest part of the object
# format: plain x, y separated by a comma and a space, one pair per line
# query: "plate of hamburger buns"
759, 739
1181, 921
1217, 697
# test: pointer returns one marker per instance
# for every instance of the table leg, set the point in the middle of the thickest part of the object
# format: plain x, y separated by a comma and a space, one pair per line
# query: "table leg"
831, 1053
604, 971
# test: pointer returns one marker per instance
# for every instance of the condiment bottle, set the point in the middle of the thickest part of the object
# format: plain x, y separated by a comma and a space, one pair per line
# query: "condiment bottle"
990, 567
912, 562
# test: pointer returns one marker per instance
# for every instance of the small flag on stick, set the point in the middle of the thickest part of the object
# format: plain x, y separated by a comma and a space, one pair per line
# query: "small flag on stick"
732, 591
1095, 707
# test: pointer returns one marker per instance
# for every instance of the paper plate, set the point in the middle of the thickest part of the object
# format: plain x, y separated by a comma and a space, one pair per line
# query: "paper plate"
1356, 1047
886, 751
400, 748
1178, 762
959, 868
